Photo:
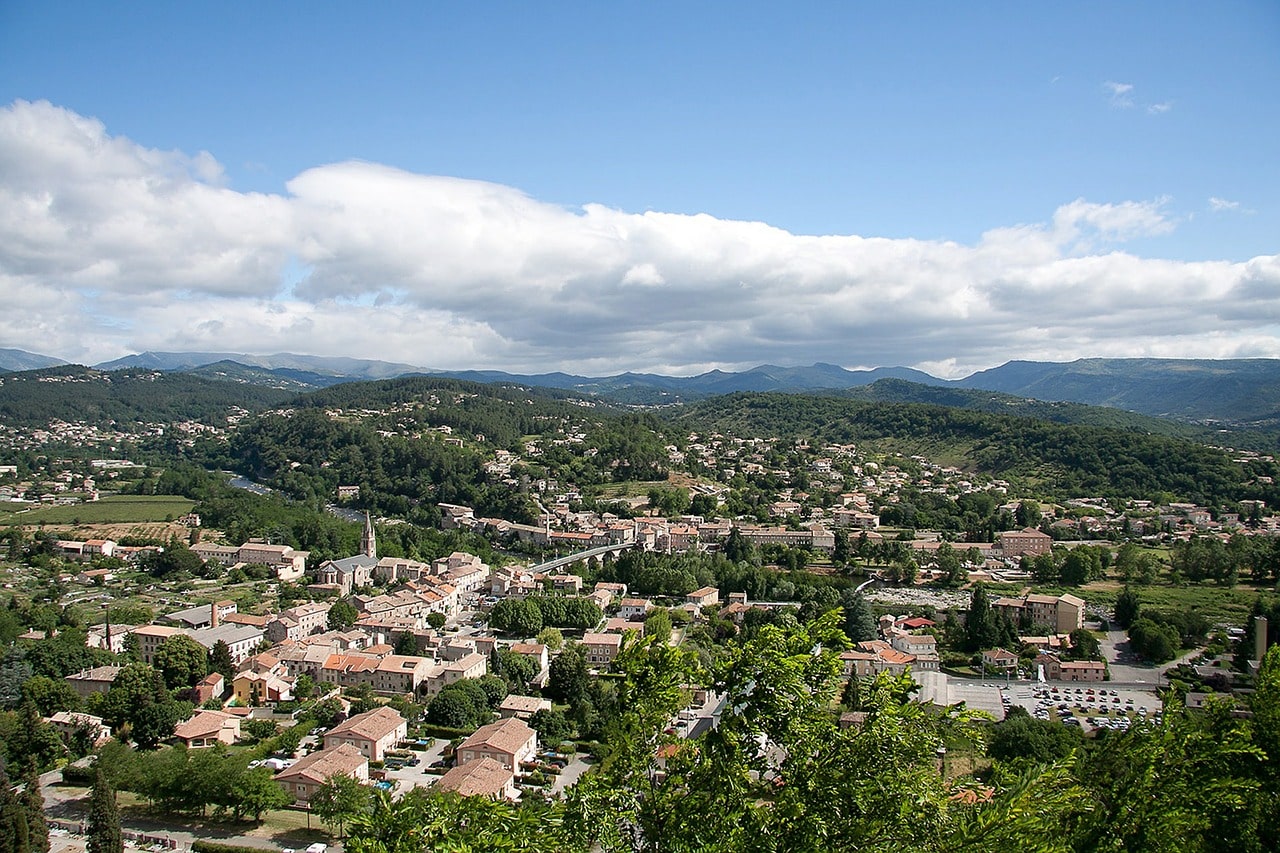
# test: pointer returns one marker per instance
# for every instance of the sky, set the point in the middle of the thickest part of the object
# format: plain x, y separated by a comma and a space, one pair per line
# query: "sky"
669, 187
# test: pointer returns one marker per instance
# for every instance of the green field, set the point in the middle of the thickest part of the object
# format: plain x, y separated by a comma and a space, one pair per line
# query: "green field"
117, 509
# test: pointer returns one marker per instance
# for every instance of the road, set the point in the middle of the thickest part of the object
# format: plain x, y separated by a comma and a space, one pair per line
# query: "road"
1127, 668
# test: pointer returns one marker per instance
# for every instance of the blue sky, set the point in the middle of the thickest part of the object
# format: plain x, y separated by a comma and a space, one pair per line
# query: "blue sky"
924, 123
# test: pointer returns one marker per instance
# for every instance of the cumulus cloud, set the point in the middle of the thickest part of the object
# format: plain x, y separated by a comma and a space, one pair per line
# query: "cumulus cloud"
111, 247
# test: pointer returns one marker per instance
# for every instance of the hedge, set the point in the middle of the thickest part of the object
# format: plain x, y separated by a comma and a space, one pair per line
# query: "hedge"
202, 846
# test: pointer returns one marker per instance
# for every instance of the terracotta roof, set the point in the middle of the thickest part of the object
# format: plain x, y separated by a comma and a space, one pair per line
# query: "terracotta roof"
503, 736
319, 767
374, 725
203, 725
482, 777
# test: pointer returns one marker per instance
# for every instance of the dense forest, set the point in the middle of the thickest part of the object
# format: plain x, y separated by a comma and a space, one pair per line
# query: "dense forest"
995, 402
123, 399
1052, 458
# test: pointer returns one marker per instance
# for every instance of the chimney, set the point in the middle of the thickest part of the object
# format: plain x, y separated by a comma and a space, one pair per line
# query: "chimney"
1259, 637
213, 614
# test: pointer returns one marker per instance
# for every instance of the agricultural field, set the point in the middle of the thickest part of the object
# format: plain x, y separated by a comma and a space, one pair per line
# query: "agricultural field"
116, 509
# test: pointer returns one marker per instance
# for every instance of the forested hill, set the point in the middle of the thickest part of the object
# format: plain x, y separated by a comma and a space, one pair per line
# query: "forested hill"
500, 413
123, 398
996, 402
1243, 392
389, 438
1055, 459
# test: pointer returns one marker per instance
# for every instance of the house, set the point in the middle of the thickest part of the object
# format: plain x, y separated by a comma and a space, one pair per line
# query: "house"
482, 777
298, 622
999, 660
67, 723
509, 742
1062, 614
522, 707
305, 777
262, 679
633, 609
703, 597
212, 686
150, 637
1026, 542
372, 733
202, 616
601, 648
241, 640
1072, 670
96, 680
206, 728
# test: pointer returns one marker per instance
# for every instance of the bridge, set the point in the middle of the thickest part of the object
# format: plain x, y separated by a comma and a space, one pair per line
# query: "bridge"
561, 562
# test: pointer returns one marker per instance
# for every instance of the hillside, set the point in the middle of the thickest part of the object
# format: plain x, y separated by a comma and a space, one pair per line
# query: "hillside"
1238, 392
995, 402
18, 360
1051, 458
125, 398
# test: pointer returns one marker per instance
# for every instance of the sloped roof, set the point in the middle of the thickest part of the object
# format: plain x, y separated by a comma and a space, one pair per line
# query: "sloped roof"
503, 736
372, 725
319, 767
482, 777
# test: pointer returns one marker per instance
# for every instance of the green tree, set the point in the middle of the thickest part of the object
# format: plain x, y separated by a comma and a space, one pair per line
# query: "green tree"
551, 725
220, 661
657, 624
254, 791
436, 620
50, 696
980, 628
406, 644
519, 616
859, 622
182, 661
342, 615
104, 818
551, 638
340, 800
1127, 607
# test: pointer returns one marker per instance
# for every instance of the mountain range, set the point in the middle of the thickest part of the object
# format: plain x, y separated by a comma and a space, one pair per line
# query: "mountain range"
1231, 393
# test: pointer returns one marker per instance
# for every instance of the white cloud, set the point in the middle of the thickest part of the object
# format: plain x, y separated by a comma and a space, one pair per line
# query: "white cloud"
110, 247
1218, 205
1162, 107
1121, 93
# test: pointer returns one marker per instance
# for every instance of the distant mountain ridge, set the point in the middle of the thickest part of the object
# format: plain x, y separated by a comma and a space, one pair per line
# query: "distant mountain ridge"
1230, 392
17, 360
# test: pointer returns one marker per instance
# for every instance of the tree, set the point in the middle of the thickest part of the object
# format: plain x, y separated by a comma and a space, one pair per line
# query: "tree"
519, 616
339, 800
32, 802
569, 679
50, 696
551, 725
406, 644
657, 624
342, 615
1021, 736
436, 620
859, 622
220, 661
516, 668
104, 818
1127, 607
980, 628
551, 638
254, 791
182, 661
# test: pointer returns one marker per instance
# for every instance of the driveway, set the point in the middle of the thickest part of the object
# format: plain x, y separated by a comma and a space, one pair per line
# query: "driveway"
1126, 667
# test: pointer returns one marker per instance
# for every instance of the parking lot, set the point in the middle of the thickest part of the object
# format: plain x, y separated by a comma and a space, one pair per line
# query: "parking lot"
1090, 707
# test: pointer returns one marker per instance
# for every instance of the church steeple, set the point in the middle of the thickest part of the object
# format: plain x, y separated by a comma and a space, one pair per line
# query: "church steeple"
368, 543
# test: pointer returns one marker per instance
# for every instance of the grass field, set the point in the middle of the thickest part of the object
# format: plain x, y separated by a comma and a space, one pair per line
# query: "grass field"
117, 509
